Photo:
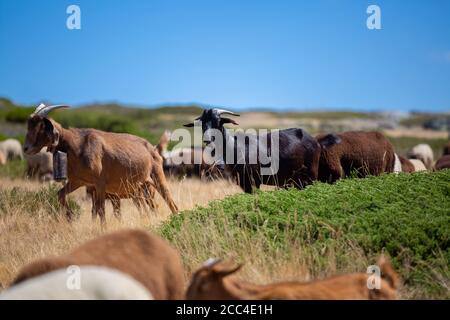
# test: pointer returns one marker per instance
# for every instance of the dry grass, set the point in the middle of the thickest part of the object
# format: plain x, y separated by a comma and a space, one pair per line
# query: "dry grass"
24, 237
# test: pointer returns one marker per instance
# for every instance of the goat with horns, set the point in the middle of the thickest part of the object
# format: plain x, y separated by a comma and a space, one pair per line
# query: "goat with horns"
111, 163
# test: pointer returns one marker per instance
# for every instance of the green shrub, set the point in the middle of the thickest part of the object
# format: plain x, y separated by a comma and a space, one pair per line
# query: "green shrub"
13, 169
18, 114
407, 215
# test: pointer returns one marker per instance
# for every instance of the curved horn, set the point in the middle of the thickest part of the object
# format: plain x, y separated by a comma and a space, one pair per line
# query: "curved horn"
211, 261
38, 109
43, 110
223, 111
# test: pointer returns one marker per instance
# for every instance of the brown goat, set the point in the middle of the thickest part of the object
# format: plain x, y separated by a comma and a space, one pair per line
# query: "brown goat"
215, 281
443, 163
407, 165
367, 153
146, 257
112, 163
143, 197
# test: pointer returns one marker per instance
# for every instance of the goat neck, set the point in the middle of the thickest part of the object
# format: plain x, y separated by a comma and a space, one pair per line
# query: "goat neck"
69, 139
242, 290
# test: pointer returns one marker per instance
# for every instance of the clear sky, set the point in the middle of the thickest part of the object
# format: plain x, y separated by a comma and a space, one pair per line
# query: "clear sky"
234, 53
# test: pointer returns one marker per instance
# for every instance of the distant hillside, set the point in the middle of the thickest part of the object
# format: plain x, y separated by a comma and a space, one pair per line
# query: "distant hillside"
150, 123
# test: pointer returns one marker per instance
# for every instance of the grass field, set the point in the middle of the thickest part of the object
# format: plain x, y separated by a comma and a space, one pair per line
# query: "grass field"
279, 235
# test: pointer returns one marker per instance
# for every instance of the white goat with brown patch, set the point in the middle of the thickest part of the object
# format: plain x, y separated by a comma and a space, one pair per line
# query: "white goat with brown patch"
112, 163
424, 153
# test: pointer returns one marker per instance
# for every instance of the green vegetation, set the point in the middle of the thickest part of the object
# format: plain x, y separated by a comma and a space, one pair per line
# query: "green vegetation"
18, 114
13, 169
150, 123
405, 215
42, 201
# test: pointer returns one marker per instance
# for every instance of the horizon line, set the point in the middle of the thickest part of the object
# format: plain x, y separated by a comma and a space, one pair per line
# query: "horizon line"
241, 109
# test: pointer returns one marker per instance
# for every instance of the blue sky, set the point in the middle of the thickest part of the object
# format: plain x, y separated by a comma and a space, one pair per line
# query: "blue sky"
233, 53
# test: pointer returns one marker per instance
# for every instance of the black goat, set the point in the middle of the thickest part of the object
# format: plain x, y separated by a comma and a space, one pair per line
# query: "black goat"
282, 158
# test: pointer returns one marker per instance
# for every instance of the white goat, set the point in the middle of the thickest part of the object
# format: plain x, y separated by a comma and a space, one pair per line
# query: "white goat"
12, 149
418, 165
40, 165
94, 283
424, 153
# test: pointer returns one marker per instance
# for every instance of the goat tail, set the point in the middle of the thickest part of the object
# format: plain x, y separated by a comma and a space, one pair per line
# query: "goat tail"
388, 273
163, 142
161, 185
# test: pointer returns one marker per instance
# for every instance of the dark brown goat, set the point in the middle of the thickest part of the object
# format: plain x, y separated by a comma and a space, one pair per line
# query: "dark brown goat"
112, 163
366, 153
146, 257
446, 150
443, 163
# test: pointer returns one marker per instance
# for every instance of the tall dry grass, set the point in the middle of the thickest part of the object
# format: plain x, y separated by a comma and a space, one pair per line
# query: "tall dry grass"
24, 237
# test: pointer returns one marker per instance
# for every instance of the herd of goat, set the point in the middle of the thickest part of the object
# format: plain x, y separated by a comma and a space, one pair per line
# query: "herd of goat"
133, 264
115, 166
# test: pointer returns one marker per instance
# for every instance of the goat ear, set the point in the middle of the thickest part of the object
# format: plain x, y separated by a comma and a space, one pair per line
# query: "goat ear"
329, 140
188, 125
224, 270
52, 132
227, 120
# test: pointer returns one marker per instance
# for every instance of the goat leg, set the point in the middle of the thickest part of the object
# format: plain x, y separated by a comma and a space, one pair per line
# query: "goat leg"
115, 201
149, 196
91, 192
68, 188
100, 198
